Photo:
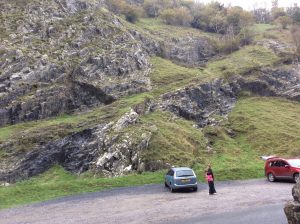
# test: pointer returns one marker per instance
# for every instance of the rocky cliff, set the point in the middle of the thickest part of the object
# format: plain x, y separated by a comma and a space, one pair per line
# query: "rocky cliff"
202, 103
68, 56
61, 56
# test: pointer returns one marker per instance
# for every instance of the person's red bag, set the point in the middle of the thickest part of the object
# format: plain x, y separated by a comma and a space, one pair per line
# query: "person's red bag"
209, 177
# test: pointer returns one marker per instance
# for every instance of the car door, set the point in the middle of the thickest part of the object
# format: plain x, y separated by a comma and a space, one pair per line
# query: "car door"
282, 171
286, 170
275, 168
169, 177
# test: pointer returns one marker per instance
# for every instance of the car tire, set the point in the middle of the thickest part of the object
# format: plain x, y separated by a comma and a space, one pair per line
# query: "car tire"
195, 189
296, 178
166, 185
271, 177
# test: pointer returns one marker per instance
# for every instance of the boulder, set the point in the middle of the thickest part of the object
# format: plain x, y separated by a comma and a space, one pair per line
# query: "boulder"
292, 208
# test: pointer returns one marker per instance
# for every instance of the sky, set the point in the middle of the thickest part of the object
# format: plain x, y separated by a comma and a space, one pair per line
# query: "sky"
249, 4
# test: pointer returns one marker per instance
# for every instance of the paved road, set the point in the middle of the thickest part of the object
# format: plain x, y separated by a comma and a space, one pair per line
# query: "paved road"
251, 201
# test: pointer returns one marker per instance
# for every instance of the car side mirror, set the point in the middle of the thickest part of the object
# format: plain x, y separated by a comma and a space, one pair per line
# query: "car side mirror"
286, 166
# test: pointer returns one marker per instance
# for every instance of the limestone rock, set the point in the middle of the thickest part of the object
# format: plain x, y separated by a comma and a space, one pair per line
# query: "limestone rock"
55, 66
292, 209
100, 149
127, 119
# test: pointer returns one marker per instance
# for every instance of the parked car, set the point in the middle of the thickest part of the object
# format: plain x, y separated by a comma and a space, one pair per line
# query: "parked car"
181, 177
280, 168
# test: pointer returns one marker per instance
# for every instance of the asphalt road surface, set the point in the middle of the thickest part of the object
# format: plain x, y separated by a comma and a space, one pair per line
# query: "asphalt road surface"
251, 201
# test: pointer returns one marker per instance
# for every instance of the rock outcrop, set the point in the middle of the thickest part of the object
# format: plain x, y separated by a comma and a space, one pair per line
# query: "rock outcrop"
292, 208
204, 102
105, 149
63, 56
188, 50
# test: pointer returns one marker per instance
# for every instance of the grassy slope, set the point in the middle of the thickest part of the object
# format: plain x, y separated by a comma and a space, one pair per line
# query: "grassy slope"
272, 122
234, 158
264, 126
161, 30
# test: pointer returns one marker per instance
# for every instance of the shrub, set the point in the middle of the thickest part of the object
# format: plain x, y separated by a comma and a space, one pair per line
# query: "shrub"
132, 13
245, 36
284, 21
227, 43
295, 31
178, 16
116, 6
153, 8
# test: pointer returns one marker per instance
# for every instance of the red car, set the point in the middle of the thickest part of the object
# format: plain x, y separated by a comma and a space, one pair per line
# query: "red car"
279, 168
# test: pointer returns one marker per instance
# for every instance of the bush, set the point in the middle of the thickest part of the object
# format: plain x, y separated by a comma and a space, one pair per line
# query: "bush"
153, 8
116, 6
178, 16
132, 13
295, 31
283, 21
228, 43
245, 37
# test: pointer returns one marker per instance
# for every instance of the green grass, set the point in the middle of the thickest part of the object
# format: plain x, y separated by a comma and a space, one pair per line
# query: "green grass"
272, 123
56, 182
174, 141
161, 30
243, 61
165, 76
263, 126
260, 28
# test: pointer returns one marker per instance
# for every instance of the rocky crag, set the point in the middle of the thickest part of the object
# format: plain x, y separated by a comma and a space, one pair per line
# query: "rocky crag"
202, 103
63, 56
110, 150
292, 208
68, 56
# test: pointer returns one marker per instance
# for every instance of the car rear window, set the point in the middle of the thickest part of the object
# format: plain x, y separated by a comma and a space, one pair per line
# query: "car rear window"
294, 162
184, 173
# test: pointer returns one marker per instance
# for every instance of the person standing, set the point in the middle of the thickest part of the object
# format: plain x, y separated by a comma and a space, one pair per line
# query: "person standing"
210, 180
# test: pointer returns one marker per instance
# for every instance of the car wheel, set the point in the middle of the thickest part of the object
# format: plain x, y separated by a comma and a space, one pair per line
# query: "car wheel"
166, 185
296, 177
271, 177
195, 189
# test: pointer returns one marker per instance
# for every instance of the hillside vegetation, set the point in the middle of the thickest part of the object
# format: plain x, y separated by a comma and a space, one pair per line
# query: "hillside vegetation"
123, 58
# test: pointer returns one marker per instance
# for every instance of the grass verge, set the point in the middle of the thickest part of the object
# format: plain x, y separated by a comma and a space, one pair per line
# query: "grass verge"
57, 182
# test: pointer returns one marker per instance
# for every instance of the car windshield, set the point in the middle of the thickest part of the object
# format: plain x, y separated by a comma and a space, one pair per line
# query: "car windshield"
294, 162
184, 173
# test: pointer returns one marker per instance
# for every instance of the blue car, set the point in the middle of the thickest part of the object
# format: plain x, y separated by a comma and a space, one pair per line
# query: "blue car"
181, 177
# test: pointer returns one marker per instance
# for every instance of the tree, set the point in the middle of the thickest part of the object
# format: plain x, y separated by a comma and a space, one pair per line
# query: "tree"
178, 16
153, 8
277, 12
262, 15
295, 31
204, 17
294, 13
284, 21
116, 6
274, 4
238, 18
132, 13
219, 23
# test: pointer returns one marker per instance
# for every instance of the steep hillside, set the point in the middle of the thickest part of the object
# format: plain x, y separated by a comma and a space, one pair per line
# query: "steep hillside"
85, 91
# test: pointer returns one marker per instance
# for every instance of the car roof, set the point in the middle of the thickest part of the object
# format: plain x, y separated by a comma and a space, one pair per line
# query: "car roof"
180, 168
275, 158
